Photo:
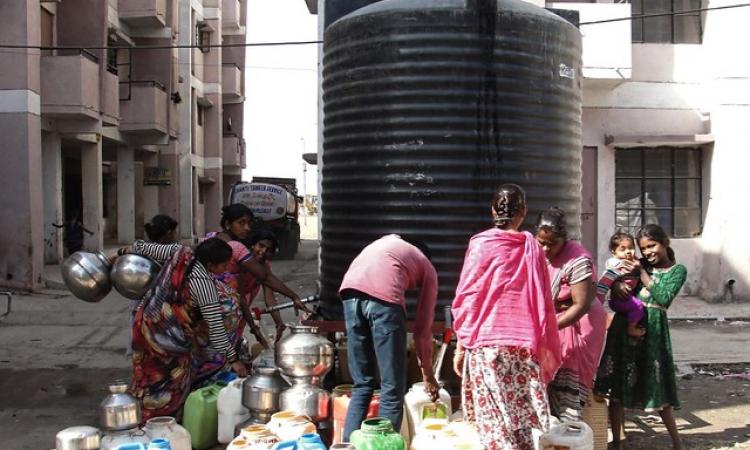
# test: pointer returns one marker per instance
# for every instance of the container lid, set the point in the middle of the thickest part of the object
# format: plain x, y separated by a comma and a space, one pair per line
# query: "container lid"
118, 387
84, 437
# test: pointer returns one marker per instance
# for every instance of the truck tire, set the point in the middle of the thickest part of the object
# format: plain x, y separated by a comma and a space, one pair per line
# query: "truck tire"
286, 251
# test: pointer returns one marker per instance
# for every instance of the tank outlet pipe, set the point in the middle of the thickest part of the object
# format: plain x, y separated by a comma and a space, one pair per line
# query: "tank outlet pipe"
310, 299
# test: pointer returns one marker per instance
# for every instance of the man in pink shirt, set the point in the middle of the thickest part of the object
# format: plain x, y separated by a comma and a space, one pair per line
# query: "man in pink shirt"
373, 291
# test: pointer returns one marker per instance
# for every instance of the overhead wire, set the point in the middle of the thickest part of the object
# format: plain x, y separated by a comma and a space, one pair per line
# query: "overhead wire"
316, 42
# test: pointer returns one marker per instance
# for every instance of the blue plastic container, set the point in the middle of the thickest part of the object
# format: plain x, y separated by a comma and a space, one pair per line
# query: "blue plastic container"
310, 441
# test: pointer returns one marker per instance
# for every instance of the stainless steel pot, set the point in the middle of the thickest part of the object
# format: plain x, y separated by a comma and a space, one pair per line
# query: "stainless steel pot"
304, 353
86, 275
307, 399
119, 410
261, 392
78, 438
133, 275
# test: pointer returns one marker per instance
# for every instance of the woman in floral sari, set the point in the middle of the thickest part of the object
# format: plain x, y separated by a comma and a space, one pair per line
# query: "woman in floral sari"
580, 317
508, 347
183, 301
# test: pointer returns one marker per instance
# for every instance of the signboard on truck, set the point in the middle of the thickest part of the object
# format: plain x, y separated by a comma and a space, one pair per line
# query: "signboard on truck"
268, 202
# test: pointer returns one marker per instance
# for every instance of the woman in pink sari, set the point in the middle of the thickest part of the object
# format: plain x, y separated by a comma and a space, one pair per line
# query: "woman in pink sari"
581, 318
508, 346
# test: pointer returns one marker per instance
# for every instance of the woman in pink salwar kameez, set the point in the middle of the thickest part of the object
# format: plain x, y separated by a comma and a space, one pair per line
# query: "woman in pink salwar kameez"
581, 318
508, 347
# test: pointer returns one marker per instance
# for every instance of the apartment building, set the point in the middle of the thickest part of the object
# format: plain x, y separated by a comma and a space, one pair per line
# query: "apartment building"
129, 114
666, 129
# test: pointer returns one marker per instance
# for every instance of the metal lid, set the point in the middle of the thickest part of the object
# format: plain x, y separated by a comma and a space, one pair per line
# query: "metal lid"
118, 387
78, 438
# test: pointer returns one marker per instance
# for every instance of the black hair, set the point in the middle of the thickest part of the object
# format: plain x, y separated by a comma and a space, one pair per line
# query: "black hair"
656, 233
160, 225
233, 212
213, 251
553, 221
618, 237
509, 199
420, 244
264, 234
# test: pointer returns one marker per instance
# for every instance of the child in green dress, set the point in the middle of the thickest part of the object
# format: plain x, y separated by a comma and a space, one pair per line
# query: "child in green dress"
640, 374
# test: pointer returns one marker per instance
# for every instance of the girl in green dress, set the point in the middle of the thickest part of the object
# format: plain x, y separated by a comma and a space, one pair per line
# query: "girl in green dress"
639, 374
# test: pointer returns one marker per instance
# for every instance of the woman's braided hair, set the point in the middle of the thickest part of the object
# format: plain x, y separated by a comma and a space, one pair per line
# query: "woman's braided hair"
508, 201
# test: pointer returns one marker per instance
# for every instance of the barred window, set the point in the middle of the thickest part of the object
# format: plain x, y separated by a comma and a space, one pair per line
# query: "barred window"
661, 185
672, 28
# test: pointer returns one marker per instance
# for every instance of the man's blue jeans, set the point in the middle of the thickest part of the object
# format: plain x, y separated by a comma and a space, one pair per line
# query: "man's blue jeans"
376, 336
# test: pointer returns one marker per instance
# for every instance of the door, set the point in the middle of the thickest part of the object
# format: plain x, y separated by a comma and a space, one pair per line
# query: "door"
589, 200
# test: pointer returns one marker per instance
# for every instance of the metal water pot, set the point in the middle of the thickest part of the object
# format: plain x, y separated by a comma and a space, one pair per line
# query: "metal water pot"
308, 400
78, 438
133, 275
119, 410
261, 392
86, 275
304, 353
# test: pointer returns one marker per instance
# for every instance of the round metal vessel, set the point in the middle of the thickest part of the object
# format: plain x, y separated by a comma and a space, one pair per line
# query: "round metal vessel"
429, 106
119, 410
304, 354
78, 438
86, 275
132, 275
307, 399
261, 392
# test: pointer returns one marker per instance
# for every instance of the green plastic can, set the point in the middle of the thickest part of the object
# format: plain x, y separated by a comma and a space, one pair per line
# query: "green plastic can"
201, 416
377, 434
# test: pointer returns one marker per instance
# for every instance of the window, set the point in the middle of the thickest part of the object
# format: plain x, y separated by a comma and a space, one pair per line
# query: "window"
659, 185
671, 28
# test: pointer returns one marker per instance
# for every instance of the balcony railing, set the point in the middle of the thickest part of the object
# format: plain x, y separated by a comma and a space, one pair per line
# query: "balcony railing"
70, 84
143, 13
230, 15
110, 98
232, 147
231, 83
144, 110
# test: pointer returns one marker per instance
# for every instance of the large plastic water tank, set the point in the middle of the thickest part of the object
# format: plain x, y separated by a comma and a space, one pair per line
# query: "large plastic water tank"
429, 106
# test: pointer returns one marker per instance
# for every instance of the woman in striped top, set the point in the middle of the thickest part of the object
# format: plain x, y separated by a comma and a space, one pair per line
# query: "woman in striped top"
183, 304
581, 318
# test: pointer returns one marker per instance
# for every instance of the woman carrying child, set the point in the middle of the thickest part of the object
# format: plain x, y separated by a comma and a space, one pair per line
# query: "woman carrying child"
623, 267
639, 374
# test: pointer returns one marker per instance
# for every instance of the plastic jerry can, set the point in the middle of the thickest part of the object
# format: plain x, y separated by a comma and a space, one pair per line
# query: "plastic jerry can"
419, 408
231, 410
568, 436
201, 417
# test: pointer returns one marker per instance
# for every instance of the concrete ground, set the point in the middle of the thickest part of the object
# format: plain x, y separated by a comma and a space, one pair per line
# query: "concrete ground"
57, 355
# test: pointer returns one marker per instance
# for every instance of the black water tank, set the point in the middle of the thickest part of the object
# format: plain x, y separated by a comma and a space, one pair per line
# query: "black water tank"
429, 106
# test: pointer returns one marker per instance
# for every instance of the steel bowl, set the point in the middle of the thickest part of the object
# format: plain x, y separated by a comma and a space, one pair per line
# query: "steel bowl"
78, 438
133, 275
86, 275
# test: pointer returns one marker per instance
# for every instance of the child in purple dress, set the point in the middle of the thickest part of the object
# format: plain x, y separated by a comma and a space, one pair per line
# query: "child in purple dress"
623, 267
